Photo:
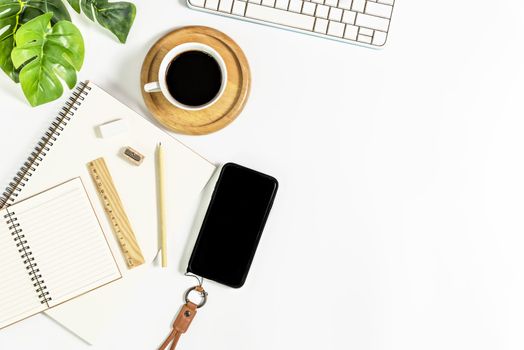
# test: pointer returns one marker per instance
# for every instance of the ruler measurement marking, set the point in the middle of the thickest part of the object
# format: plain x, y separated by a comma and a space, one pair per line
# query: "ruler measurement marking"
115, 212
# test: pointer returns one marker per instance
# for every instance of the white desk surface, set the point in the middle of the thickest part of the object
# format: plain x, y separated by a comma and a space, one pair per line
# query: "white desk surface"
400, 218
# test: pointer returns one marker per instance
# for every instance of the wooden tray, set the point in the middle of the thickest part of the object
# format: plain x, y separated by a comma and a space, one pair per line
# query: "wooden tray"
223, 111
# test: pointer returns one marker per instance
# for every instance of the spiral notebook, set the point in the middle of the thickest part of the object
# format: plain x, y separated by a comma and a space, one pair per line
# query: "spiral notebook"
52, 249
63, 152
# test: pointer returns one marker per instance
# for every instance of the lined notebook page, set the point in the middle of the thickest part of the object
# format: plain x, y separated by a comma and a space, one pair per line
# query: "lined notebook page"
67, 242
18, 298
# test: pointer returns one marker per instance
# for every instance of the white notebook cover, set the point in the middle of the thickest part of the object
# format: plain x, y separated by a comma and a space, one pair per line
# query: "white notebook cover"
186, 172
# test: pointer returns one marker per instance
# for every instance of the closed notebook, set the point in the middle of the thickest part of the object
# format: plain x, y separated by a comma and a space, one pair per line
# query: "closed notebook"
52, 249
72, 141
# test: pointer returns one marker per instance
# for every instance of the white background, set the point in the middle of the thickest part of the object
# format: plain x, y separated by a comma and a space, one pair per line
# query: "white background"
399, 221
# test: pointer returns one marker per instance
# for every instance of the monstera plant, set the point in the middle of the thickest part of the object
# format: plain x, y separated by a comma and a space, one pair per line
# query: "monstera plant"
40, 47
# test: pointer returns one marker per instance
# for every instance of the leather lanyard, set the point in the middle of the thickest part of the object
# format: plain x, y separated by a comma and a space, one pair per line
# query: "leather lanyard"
184, 317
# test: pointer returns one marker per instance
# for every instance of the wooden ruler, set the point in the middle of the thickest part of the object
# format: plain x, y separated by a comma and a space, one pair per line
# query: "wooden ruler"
115, 212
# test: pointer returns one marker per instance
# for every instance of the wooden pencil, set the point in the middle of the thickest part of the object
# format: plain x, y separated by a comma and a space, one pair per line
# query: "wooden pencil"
161, 202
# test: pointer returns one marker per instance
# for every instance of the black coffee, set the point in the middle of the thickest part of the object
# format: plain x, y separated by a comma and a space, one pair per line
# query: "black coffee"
193, 78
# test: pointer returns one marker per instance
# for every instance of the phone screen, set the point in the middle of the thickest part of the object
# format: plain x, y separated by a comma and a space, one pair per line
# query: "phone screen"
233, 224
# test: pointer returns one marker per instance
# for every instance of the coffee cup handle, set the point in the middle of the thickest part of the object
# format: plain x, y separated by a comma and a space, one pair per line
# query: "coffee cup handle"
152, 87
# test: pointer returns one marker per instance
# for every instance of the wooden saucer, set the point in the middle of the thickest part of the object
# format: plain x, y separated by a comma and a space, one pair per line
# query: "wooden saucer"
216, 116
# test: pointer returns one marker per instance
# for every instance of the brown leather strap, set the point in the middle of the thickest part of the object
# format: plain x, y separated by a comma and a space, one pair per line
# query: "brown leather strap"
181, 324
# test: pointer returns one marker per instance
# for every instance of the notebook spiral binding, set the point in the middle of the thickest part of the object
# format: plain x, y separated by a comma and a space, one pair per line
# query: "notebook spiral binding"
27, 256
44, 145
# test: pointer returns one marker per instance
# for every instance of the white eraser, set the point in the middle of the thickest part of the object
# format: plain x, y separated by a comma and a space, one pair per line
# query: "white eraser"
112, 128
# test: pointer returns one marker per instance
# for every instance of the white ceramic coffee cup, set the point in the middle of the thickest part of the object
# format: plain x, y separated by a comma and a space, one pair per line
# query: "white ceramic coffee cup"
161, 84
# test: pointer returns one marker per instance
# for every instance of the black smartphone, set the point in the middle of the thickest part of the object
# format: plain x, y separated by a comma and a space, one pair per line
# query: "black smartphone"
233, 224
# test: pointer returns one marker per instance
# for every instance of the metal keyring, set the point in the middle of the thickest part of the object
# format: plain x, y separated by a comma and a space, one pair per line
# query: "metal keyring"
203, 295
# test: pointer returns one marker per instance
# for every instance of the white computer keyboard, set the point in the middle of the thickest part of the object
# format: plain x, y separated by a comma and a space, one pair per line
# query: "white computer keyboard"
357, 21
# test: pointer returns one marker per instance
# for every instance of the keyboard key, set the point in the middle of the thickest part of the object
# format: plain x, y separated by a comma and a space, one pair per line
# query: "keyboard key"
212, 4
358, 5
309, 8
345, 4
197, 3
387, 2
255, 1
381, 10
379, 38
322, 11
295, 6
351, 32
282, 4
372, 22
335, 29
348, 17
318, 1
364, 39
277, 16
270, 3
239, 7
321, 25
332, 3
335, 14
225, 6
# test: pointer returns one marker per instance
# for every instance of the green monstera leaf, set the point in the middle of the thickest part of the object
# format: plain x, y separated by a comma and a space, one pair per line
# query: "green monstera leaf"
117, 17
14, 13
10, 11
6, 46
47, 53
